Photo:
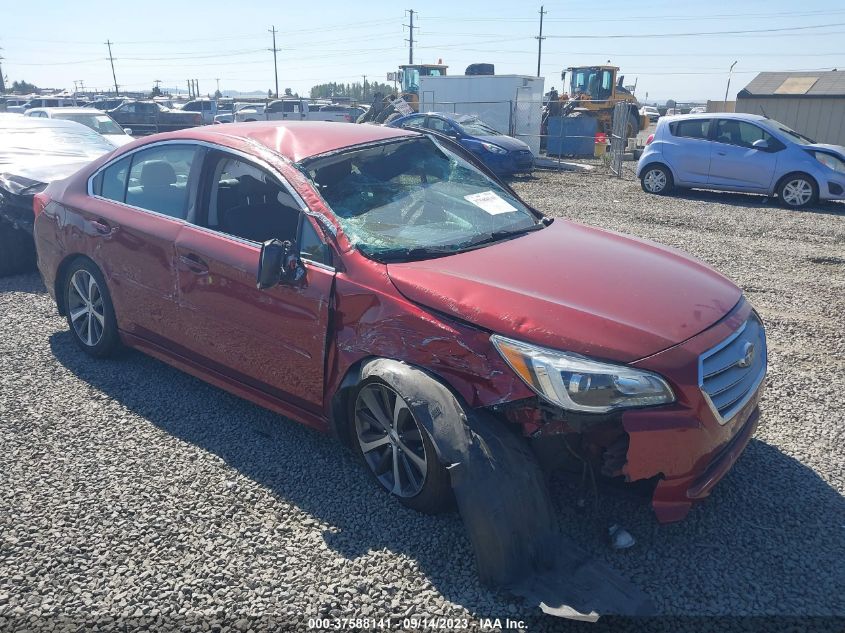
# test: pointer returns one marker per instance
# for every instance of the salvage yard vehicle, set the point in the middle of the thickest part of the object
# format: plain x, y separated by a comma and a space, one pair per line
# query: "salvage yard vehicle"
149, 117
385, 286
33, 153
98, 121
504, 155
741, 152
293, 110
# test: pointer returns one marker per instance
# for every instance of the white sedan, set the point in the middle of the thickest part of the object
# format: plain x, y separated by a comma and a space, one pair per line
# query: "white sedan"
98, 121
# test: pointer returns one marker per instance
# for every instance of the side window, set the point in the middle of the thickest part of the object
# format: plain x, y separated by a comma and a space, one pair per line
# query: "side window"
439, 125
691, 128
312, 247
291, 106
414, 122
741, 133
128, 108
111, 182
249, 203
158, 179
189, 107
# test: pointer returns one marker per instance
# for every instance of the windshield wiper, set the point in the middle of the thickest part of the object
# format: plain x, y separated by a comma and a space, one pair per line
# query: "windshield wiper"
495, 236
418, 252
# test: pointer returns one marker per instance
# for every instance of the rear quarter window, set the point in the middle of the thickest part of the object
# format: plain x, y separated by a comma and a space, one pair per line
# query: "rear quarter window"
692, 128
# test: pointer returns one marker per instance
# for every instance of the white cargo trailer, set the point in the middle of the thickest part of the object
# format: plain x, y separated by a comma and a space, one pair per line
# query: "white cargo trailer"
511, 104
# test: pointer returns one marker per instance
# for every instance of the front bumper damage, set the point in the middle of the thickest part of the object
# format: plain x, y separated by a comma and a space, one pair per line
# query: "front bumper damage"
683, 448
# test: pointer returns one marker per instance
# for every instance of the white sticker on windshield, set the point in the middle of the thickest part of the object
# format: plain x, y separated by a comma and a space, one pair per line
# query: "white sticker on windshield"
490, 202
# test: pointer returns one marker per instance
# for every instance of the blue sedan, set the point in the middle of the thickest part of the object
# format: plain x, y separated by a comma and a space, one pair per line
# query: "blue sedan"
504, 155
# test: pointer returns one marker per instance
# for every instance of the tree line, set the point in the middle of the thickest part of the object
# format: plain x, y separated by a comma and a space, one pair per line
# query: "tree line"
359, 91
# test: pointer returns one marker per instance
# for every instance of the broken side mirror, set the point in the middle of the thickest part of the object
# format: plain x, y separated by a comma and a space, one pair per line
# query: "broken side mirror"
279, 263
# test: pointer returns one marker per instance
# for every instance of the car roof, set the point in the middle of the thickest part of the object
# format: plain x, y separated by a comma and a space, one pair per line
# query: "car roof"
295, 140
65, 110
19, 122
739, 116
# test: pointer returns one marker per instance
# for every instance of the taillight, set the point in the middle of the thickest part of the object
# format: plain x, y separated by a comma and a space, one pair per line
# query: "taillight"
649, 139
39, 203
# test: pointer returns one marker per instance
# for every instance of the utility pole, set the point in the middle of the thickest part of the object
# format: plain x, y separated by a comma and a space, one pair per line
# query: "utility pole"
730, 72
111, 59
365, 87
2, 80
540, 39
410, 40
217, 79
190, 90
197, 88
275, 61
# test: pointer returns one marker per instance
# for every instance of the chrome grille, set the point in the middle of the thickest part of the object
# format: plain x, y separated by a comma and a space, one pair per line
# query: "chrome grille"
730, 373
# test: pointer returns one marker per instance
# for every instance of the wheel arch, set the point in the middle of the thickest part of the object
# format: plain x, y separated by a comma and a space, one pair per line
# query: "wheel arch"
809, 176
339, 421
61, 274
661, 163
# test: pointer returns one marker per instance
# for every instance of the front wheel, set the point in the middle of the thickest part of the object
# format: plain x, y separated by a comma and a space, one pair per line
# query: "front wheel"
89, 310
397, 449
797, 191
656, 179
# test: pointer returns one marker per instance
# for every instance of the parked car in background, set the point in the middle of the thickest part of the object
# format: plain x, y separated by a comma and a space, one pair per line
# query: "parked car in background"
33, 153
13, 104
741, 152
50, 102
107, 104
208, 108
149, 117
384, 286
504, 155
352, 112
698, 110
292, 110
100, 122
651, 112
250, 110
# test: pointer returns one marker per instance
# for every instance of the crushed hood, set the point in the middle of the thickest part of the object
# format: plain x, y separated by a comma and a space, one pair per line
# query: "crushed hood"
576, 288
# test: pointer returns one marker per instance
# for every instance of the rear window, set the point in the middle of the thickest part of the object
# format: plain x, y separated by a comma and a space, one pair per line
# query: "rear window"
691, 128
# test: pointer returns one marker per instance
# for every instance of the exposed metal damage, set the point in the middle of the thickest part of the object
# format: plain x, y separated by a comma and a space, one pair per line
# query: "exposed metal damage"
502, 496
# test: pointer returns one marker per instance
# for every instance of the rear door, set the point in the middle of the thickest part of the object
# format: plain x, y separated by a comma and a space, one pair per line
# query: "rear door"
736, 163
686, 148
139, 206
273, 339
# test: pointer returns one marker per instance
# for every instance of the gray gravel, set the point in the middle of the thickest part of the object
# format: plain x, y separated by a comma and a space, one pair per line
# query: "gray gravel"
131, 490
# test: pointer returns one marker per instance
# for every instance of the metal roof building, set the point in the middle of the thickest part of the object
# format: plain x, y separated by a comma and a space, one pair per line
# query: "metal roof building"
812, 103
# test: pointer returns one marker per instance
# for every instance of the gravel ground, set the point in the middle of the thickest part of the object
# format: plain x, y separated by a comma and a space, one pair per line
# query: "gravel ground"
131, 490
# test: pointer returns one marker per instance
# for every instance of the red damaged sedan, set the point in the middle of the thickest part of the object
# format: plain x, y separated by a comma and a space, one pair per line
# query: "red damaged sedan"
345, 275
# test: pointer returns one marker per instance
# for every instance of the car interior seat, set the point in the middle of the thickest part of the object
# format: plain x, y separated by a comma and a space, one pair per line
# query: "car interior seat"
158, 190
259, 215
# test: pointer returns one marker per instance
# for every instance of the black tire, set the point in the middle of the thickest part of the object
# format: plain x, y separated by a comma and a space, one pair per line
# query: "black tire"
102, 336
17, 250
434, 495
797, 190
657, 179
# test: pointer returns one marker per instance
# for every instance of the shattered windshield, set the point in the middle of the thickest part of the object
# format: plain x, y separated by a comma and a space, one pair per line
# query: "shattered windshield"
414, 198
476, 127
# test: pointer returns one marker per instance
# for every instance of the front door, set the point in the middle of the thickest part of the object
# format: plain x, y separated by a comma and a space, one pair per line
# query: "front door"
274, 339
736, 163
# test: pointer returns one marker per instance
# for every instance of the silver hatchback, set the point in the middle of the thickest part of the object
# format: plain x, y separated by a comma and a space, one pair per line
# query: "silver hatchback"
741, 152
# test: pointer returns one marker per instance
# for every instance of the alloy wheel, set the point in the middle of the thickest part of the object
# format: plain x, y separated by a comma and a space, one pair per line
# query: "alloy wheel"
655, 180
390, 440
85, 307
797, 192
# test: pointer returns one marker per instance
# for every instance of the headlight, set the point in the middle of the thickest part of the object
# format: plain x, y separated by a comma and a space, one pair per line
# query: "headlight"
577, 383
831, 161
494, 148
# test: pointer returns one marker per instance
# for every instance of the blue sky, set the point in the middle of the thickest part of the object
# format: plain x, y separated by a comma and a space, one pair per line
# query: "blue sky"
53, 43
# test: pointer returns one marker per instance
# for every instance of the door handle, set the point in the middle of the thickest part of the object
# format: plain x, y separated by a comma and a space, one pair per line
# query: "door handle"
101, 226
194, 263
722, 153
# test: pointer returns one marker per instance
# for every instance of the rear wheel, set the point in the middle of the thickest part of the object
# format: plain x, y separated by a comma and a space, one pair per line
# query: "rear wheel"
656, 179
397, 449
89, 310
797, 191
